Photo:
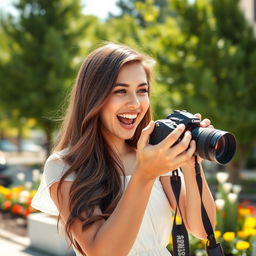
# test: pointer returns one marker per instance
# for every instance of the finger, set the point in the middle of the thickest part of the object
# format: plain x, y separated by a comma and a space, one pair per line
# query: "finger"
192, 148
182, 145
172, 137
205, 123
143, 140
210, 127
198, 115
185, 156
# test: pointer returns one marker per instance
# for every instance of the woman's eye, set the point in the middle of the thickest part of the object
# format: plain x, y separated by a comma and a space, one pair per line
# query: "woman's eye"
143, 90
123, 91
120, 91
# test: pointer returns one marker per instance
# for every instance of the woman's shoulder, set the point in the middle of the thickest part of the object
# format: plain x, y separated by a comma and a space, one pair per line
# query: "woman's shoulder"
57, 156
54, 169
55, 165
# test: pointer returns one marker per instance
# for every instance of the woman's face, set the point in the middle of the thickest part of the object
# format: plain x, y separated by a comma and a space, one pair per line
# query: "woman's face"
128, 103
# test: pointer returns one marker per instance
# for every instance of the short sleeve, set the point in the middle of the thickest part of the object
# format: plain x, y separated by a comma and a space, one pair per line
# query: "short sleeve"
54, 169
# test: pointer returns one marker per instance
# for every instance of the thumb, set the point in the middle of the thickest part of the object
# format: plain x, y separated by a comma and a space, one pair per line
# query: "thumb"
143, 140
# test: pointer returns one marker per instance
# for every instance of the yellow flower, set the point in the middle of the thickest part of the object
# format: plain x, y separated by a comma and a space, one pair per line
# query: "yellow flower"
250, 222
204, 242
244, 212
200, 245
242, 234
242, 245
178, 219
229, 236
16, 189
250, 231
170, 240
217, 234
4, 191
33, 192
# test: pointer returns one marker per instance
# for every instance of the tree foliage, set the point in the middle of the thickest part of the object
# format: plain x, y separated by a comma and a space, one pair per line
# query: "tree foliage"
204, 52
144, 10
205, 62
42, 42
221, 81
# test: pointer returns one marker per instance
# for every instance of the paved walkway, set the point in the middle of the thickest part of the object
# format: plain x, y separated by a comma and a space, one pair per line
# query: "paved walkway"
12, 245
10, 248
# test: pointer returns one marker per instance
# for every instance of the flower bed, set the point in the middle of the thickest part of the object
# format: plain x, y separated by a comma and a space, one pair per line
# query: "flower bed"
236, 223
15, 206
17, 200
238, 242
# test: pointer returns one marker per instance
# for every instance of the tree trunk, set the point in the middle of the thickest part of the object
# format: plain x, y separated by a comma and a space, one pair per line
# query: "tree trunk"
237, 164
48, 128
234, 169
21, 123
1, 134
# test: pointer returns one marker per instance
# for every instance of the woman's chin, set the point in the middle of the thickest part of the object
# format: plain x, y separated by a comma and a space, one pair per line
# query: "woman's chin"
127, 137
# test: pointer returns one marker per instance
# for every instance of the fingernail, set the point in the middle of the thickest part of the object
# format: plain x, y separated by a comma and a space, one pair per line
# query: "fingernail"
181, 126
188, 132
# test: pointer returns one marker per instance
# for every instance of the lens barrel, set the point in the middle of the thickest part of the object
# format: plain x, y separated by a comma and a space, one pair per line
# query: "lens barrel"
214, 145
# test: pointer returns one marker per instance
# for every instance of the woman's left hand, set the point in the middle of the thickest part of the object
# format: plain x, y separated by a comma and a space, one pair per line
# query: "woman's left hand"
205, 123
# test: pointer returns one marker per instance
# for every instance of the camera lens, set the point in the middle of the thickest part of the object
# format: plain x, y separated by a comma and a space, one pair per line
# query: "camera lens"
220, 146
214, 145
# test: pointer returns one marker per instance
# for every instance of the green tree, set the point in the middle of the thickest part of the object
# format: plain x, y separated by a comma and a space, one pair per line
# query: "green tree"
42, 42
207, 60
143, 10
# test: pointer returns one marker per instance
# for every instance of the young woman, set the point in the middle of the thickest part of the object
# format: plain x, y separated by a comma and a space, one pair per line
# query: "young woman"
107, 184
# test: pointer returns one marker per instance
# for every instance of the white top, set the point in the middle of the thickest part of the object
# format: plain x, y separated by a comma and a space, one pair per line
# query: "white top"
156, 226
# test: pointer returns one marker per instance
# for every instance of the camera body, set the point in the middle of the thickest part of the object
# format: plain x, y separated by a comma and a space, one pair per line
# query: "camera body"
211, 144
165, 126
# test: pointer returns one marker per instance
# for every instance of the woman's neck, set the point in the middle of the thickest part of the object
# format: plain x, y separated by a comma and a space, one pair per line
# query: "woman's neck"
121, 148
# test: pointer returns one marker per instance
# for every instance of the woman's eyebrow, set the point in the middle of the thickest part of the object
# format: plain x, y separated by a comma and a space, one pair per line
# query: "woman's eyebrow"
127, 85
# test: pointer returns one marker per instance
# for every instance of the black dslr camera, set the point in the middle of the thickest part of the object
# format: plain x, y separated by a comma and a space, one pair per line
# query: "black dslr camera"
211, 144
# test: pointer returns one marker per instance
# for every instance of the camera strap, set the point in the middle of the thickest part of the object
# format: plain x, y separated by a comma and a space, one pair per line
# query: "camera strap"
212, 247
179, 231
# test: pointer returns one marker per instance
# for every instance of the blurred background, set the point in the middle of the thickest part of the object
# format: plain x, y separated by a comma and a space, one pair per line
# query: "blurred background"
205, 53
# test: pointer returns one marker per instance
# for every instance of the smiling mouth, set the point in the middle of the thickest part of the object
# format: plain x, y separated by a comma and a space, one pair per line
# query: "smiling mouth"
127, 119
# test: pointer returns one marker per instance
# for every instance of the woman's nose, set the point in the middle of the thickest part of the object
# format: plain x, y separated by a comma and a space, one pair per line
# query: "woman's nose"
133, 101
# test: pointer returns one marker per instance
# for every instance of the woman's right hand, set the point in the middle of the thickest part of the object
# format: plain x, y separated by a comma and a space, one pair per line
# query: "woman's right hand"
155, 160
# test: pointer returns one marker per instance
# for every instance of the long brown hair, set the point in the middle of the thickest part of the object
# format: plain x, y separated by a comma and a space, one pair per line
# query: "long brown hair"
97, 168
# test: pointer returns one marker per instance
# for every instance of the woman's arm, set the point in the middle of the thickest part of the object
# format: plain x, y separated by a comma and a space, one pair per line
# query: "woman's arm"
116, 235
190, 202
193, 202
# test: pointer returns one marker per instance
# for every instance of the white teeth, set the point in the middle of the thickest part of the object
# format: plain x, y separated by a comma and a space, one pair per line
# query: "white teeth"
130, 116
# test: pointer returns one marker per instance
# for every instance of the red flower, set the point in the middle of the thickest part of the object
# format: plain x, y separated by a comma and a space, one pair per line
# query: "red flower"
17, 209
7, 204
8, 196
28, 202
252, 209
245, 203
26, 212
224, 215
